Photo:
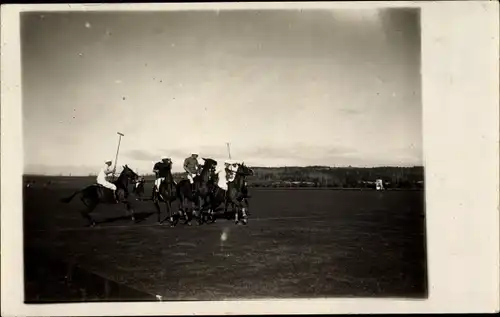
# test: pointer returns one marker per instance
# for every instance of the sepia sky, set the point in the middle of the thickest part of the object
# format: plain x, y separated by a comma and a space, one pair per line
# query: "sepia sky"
323, 87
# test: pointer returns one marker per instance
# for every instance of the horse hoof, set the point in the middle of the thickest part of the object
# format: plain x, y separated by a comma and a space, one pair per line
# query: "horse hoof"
245, 222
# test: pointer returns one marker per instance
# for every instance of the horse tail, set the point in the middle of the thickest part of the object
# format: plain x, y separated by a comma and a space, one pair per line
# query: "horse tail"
68, 199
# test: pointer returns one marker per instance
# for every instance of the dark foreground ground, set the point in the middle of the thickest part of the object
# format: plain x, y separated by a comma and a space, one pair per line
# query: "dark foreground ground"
298, 243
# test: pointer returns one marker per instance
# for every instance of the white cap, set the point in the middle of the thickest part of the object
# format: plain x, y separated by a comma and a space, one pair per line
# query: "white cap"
108, 161
164, 158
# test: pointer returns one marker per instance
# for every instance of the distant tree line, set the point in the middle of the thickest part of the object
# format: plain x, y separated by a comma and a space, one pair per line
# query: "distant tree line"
340, 177
334, 177
311, 176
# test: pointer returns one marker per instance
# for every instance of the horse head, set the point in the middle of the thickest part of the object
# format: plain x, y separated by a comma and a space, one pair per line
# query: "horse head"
168, 164
129, 173
244, 170
209, 163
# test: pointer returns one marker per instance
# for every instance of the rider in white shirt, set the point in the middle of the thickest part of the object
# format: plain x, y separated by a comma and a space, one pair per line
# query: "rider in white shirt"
103, 173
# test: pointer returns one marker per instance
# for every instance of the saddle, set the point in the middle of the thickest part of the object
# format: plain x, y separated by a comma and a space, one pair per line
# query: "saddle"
106, 193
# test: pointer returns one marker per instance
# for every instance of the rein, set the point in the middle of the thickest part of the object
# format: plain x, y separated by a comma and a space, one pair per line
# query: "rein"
121, 181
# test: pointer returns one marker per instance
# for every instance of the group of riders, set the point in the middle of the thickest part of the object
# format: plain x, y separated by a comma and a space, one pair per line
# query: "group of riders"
161, 169
221, 175
192, 167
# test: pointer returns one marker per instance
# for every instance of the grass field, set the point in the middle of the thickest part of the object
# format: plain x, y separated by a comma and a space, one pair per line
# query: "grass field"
298, 243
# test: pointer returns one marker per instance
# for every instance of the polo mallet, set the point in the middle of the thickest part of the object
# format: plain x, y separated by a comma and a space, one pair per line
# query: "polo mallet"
228, 150
117, 150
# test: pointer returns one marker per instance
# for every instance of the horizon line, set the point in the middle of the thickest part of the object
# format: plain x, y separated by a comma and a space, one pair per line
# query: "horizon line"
263, 167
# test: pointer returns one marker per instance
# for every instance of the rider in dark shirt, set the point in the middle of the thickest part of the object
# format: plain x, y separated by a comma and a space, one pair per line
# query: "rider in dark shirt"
161, 170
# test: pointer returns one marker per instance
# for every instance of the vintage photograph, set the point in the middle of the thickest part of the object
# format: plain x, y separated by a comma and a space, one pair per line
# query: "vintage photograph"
222, 154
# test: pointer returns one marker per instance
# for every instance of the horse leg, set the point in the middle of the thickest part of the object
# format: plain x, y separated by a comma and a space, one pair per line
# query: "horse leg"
244, 213
169, 213
236, 216
226, 206
168, 216
188, 211
246, 206
86, 212
240, 213
180, 213
206, 208
158, 211
211, 209
176, 215
201, 214
236, 210
130, 211
208, 204
203, 209
182, 209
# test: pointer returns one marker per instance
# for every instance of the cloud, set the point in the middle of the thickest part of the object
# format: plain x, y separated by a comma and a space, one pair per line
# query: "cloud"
142, 155
298, 153
62, 170
349, 111
203, 151
176, 154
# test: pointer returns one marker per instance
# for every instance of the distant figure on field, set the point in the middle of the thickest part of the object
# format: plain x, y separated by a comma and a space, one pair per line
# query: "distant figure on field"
139, 187
101, 177
379, 184
139, 181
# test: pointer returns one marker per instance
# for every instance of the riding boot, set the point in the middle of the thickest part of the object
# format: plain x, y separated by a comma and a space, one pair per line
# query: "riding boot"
115, 196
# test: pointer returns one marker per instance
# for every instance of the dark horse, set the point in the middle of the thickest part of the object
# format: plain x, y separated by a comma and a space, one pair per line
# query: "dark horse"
167, 194
197, 197
95, 194
246, 196
235, 194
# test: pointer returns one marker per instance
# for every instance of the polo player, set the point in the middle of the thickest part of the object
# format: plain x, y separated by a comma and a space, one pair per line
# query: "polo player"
226, 174
101, 178
222, 175
192, 166
232, 167
161, 170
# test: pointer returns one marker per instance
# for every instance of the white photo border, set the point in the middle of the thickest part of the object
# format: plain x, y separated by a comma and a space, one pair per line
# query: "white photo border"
460, 93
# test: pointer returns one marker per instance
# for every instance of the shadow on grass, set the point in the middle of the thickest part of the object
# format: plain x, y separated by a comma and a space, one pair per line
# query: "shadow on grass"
139, 217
